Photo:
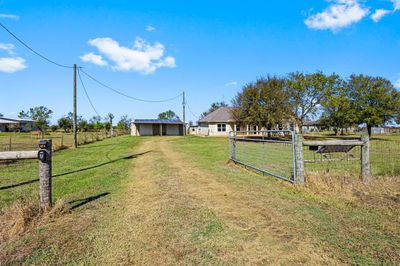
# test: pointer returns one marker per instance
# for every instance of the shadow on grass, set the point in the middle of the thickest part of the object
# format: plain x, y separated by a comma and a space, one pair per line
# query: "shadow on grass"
80, 202
132, 156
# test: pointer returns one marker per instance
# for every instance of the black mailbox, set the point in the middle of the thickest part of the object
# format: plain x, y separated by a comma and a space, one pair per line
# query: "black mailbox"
42, 156
43, 144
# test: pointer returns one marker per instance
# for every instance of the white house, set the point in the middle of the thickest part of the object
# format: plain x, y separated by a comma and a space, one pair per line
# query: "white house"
219, 123
157, 127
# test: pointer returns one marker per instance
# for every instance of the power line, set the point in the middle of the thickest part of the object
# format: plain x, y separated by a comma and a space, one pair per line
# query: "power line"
128, 96
32, 50
87, 95
190, 110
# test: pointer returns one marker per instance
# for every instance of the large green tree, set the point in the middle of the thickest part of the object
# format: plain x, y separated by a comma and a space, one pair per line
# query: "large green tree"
167, 115
263, 103
375, 98
307, 91
41, 115
214, 106
339, 111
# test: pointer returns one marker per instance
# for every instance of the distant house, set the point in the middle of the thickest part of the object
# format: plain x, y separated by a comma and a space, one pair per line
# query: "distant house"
220, 123
311, 126
157, 127
16, 124
385, 130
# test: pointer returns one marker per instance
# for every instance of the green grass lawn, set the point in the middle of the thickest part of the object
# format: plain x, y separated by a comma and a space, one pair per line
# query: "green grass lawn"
88, 171
359, 230
352, 225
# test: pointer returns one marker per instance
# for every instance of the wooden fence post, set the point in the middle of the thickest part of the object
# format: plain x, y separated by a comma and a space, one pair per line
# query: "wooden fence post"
45, 176
299, 159
365, 160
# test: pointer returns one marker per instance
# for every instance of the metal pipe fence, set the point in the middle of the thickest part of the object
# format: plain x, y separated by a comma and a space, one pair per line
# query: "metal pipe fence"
269, 152
284, 154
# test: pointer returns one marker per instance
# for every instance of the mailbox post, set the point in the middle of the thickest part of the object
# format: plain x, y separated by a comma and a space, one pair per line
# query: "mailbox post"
44, 156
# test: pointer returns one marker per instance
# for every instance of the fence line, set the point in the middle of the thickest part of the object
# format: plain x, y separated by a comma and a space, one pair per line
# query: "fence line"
28, 141
282, 153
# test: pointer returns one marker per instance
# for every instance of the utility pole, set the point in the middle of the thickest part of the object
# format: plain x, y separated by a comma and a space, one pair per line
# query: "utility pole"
75, 118
184, 114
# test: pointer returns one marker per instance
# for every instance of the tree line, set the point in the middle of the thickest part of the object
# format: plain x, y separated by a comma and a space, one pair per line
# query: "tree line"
42, 115
338, 102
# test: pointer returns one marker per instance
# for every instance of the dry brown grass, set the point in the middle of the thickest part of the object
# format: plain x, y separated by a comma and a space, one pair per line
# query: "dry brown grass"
26, 215
380, 192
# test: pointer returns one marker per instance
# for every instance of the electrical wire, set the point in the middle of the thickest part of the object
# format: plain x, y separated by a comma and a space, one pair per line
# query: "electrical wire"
190, 110
32, 50
87, 95
128, 96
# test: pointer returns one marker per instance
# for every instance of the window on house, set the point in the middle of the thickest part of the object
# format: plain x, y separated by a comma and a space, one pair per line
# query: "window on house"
237, 128
221, 127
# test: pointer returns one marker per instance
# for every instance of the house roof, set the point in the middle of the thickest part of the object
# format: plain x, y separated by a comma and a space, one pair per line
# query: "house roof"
222, 114
7, 120
158, 121
311, 123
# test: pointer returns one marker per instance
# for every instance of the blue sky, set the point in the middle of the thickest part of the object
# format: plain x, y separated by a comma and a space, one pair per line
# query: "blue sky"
209, 49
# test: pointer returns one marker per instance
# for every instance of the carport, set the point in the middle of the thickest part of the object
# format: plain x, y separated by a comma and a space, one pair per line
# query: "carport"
157, 127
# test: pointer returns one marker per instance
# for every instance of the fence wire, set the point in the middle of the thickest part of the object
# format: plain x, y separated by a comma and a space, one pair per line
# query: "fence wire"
14, 141
334, 163
385, 157
270, 152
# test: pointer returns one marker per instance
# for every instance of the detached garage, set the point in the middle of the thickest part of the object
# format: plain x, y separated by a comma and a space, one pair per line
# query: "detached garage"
157, 127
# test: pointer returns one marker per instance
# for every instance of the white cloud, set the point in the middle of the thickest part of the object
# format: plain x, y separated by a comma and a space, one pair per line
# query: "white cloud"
232, 83
94, 58
397, 84
396, 5
143, 57
8, 47
340, 14
12, 64
150, 28
379, 14
9, 16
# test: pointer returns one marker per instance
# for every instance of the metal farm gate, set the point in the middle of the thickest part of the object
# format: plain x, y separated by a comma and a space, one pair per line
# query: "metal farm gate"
271, 152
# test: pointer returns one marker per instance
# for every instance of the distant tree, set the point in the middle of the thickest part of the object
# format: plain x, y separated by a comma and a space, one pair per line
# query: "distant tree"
306, 92
107, 125
167, 115
339, 111
83, 125
41, 115
96, 123
66, 122
110, 117
214, 106
54, 128
124, 123
1, 115
376, 100
263, 103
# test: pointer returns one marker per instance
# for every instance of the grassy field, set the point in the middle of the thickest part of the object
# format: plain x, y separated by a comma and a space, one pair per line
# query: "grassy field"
181, 202
16, 141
